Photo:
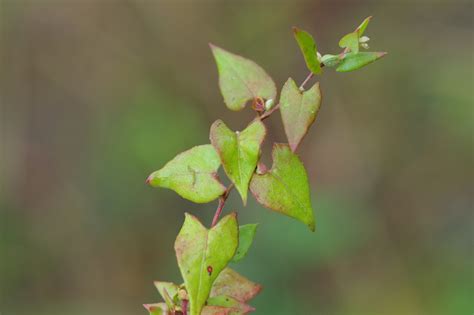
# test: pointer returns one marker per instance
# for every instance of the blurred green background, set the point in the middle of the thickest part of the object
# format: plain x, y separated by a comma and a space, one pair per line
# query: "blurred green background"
95, 95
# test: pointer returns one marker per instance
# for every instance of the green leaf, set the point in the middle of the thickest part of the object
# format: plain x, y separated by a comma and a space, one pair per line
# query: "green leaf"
241, 80
246, 236
192, 174
309, 49
232, 284
235, 306
285, 187
350, 41
156, 309
239, 152
298, 110
167, 290
354, 61
361, 28
202, 254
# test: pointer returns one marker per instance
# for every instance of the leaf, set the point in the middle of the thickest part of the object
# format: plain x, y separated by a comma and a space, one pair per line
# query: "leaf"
235, 306
232, 284
353, 61
241, 80
246, 236
215, 310
361, 28
239, 152
350, 41
298, 110
202, 254
167, 290
309, 49
156, 309
285, 187
192, 174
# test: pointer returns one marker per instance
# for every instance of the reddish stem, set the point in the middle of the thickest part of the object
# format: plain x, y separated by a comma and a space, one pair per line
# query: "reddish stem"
267, 114
221, 204
184, 307
310, 75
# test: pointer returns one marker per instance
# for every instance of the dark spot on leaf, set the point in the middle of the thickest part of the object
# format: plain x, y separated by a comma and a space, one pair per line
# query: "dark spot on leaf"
209, 270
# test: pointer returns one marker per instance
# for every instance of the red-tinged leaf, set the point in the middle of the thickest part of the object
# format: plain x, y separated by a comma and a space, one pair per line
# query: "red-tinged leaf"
202, 254
232, 284
216, 310
192, 174
285, 187
156, 309
235, 306
298, 110
241, 80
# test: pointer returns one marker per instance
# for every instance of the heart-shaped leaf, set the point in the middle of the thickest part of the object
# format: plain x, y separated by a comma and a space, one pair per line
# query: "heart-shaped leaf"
202, 254
156, 309
285, 187
241, 80
354, 61
350, 41
309, 49
246, 236
192, 174
298, 110
239, 152
232, 284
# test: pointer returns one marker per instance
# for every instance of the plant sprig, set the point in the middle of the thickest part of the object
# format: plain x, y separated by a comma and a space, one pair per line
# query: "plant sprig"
210, 287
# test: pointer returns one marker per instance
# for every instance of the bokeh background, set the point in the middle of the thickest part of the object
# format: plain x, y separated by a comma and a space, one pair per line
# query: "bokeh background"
95, 95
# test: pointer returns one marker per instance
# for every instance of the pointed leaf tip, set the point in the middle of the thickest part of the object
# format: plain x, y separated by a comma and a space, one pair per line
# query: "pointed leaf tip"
363, 26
